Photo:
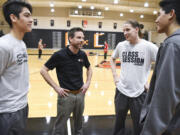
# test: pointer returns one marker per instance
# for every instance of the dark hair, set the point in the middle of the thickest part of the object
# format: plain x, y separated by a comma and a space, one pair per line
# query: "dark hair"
135, 24
14, 7
168, 5
72, 31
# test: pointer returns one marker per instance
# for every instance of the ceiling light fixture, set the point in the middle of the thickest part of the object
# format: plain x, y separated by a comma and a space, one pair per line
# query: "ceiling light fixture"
131, 10
99, 13
141, 16
51, 4
106, 8
52, 10
80, 6
83, 0
121, 14
76, 11
115, 1
146, 4
92, 7
154, 12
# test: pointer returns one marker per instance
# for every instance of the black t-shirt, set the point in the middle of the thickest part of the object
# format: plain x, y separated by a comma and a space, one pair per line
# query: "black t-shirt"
69, 67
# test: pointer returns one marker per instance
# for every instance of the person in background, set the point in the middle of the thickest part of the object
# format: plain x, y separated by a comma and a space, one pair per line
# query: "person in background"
136, 56
14, 73
40, 48
105, 50
161, 111
69, 63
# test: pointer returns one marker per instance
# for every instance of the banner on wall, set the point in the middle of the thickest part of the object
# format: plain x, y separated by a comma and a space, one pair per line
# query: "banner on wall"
66, 39
99, 39
59, 38
84, 23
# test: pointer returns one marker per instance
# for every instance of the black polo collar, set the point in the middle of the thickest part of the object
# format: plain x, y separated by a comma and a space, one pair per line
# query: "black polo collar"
71, 53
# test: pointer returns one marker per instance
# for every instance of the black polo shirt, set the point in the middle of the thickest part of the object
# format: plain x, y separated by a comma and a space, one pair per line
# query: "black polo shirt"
69, 67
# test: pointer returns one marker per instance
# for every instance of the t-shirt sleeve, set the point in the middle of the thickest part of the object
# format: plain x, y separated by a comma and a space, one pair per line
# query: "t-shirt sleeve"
52, 61
153, 50
116, 54
86, 61
4, 56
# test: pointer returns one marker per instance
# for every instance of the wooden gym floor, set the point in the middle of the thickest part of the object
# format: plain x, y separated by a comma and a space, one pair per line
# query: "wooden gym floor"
99, 98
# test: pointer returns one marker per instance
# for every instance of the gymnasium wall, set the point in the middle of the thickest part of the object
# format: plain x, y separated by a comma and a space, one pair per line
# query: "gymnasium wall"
59, 38
92, 23
43, 29
54, 35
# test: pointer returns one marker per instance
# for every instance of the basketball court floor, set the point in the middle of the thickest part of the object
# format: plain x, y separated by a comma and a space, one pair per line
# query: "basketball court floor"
99, 100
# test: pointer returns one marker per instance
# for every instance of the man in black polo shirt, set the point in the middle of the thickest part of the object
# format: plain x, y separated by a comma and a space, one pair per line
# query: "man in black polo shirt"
69, 64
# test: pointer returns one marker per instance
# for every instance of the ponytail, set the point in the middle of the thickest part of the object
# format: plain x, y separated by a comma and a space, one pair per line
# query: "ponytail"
135, 24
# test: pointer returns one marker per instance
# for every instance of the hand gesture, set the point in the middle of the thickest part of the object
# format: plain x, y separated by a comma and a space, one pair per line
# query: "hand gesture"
84, 88
116, 80
62, 92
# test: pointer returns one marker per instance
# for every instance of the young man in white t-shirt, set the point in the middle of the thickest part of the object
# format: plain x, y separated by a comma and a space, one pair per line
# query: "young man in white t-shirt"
136, 56
14, 74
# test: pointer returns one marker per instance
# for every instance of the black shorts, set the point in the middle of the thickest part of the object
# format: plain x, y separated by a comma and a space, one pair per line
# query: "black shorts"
13, 123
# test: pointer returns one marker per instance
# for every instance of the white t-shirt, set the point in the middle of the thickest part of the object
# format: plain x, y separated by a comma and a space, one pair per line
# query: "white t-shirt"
135, 66
14, 74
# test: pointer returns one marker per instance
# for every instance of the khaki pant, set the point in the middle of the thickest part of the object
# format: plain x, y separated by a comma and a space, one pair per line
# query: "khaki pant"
73, 103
